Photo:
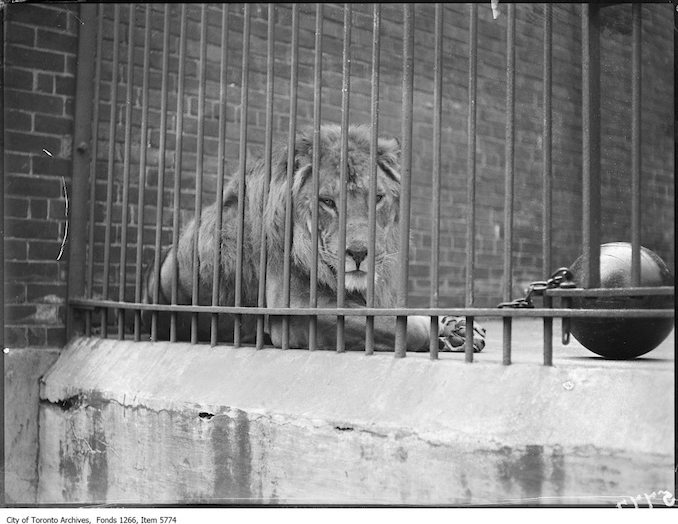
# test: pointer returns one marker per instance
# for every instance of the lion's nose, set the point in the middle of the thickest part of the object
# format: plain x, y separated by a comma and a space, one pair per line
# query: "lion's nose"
357, 254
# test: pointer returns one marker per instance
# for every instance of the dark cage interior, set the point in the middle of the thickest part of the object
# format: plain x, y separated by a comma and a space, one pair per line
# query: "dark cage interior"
180, 100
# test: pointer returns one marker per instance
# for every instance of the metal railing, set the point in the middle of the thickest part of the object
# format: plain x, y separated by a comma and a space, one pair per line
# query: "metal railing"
157, 23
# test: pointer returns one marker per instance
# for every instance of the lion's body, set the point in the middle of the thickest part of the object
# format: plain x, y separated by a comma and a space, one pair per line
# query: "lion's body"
272, 216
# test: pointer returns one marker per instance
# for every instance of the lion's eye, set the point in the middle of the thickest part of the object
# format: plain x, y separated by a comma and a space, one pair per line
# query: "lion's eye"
328, 202
380, 197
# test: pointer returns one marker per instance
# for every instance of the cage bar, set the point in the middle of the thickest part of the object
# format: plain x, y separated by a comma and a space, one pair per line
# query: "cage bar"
178, 159
195, 282
636, 64
221, 156
142, 172
268, 149
111, 167
126, 170
242, 168
547, 211
471, 175
291, 141
591, 145
372, 206
343, 170
315, 177
509, 174
162, 146
406, 176
435, 176
94, 151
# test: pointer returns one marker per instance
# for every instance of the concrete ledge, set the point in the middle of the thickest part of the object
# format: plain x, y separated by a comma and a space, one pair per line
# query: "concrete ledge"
126, 422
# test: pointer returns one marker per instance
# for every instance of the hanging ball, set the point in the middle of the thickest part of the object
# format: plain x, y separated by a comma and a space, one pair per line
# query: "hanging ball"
623, 338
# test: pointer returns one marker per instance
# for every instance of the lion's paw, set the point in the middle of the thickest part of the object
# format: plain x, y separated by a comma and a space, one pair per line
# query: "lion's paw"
452, 336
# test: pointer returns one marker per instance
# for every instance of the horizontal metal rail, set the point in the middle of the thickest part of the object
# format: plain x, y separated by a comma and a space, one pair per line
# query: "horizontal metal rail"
382, 312
611, 292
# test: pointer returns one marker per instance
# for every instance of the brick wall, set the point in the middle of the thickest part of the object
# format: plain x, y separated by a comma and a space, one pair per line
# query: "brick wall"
39, 83
45, 92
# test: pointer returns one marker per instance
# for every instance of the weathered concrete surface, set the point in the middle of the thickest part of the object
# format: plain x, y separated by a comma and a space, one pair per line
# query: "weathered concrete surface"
126, 423
23, 369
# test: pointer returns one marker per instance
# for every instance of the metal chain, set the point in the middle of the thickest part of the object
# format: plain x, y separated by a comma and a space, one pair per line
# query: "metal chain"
561, 277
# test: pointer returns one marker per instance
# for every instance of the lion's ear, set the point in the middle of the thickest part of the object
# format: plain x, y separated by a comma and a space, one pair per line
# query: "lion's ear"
388, 150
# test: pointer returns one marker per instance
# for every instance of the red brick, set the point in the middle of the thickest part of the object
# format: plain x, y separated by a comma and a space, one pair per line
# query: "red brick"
15, 141
33, 186
53, 125
15, 336
32, 271
34, 102
19, 120
54, 166
38, 15
31, 228
21, 34
64, 85
16, 207
15, 292
38, 292
57, 41
45, 83
33, 58
38, 208
15, 249
18, 78
43, 249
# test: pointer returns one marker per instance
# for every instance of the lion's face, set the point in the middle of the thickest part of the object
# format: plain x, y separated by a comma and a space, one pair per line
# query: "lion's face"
357, 249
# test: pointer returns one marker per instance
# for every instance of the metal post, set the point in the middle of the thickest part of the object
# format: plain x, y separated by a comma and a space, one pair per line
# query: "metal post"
82, 145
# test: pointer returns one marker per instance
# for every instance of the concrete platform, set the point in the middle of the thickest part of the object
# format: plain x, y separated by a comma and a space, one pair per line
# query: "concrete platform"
124, 423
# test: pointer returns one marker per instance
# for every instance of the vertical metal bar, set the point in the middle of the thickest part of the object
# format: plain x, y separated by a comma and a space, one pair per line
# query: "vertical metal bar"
509, 175
471, 174
591, 144
546, 176
372, 208
195, 265
126, 170
268, 153
244, 101
162, 145
142, 171
178, 156
636, 143
94, 148
111, 167
315, 177
82, 162
291, 142
343, 170
406, 177
221, 155
435, 175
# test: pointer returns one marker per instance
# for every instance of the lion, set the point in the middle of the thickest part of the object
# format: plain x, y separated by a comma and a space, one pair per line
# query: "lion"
272, 212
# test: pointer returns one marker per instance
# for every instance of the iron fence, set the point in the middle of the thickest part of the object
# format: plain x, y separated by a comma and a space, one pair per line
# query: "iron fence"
162, 58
